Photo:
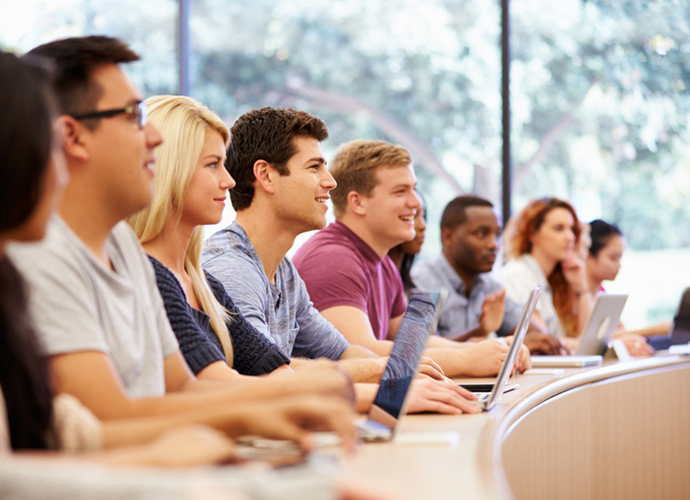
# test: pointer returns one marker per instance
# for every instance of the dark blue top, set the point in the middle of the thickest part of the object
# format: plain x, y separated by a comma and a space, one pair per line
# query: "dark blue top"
254, 354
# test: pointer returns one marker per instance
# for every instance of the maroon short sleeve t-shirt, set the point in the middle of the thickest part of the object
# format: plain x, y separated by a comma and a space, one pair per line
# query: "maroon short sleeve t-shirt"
340, 269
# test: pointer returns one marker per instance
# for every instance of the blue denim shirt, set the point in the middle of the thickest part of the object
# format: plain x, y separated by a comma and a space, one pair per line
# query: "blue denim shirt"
460, 313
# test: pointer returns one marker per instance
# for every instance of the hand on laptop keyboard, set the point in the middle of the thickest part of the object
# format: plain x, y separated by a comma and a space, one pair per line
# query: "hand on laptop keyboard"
439, 397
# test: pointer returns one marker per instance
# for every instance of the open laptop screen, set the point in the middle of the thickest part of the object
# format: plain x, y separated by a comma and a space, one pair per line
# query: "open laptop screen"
406, 353
680, 331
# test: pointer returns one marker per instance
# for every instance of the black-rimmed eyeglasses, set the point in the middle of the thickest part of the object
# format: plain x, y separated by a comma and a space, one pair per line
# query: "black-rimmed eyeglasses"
138, 110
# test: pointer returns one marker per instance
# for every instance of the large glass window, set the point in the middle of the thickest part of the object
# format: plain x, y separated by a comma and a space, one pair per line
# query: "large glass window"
601, 110
600, 98
422, 74
148, 27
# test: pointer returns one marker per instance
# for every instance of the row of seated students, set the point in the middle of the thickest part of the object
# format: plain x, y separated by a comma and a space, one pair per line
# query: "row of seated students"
223, 333
92, 360
74, 138
545, 245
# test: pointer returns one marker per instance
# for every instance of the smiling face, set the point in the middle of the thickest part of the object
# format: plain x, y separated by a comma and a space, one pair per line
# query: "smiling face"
607, 263
300, 197
414, 246
204, 197
390, 209
555, 238
471, 247
120, 152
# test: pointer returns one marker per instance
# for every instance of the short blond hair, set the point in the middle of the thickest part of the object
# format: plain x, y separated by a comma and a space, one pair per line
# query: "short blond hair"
354, 167
184, 123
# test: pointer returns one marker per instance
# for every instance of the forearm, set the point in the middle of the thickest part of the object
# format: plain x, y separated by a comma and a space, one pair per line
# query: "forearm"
364, 396
130, 432
652, 331
363, 370
435, 341
359, 352
473, 333
209, 394
452, 361
362, 365
584, 309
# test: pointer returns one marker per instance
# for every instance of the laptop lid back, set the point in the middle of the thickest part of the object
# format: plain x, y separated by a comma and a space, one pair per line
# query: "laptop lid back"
419, 320
601, 325
518, 338
680, 329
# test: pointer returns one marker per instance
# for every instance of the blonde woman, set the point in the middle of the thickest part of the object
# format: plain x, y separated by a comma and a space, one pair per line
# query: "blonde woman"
191, 185
190, 188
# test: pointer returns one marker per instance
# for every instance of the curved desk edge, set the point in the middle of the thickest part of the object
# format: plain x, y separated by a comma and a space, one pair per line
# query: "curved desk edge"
489, 452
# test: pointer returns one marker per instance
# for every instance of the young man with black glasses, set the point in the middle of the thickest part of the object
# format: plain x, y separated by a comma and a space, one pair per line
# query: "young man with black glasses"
92, 292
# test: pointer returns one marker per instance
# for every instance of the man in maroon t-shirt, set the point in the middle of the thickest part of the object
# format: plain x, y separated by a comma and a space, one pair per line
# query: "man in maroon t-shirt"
348, 273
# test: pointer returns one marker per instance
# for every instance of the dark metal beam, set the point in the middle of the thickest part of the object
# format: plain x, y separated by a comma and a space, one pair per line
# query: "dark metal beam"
506, 179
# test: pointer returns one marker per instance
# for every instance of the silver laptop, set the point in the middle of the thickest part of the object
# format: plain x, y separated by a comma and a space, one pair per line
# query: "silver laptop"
487, 401
595, 338
421, 317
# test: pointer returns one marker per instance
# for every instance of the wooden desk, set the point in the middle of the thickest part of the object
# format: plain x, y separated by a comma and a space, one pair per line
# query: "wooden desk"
617, 431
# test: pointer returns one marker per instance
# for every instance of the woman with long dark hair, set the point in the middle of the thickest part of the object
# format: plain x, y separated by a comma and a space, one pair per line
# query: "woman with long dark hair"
603, 263
31, 178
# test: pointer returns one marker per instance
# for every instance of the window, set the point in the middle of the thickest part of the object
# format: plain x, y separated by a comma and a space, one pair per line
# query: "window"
425, 75
599, 88
600, 114
148, 27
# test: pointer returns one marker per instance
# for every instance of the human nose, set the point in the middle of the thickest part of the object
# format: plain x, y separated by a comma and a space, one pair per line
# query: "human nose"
226, 180
493, 243
328, 181
153, 135
421, 222
570, 235
414, 201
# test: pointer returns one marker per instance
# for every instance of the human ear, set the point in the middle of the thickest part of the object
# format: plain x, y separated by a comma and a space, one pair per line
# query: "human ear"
355, 201
447, 235
71, 135
263, 173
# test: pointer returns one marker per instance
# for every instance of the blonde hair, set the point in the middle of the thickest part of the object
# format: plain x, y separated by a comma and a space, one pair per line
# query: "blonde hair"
354, 168
184, 123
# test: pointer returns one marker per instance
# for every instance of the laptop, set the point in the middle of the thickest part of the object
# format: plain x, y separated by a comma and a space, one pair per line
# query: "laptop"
595, 338
680, 328
486, 401
420, 319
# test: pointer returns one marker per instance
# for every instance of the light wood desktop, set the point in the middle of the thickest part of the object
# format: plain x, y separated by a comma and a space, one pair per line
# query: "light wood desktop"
621, 430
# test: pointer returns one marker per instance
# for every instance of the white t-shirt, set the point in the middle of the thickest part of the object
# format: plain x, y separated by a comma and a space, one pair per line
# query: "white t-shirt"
518, 277
78, 304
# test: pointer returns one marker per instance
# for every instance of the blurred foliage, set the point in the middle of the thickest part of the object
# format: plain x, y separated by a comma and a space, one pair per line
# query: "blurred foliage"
600, 104
599, 88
